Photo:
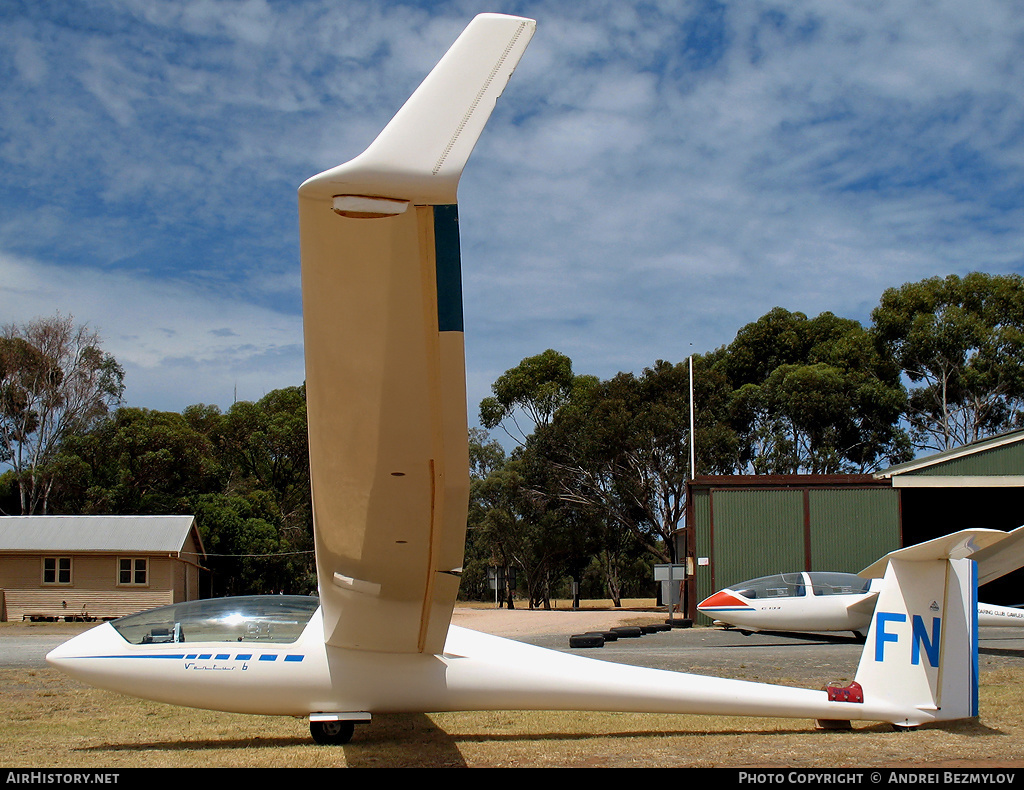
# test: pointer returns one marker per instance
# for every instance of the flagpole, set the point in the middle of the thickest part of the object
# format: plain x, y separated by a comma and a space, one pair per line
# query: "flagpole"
692, 442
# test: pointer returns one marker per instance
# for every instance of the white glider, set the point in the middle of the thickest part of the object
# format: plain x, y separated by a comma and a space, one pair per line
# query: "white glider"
388, 454
805, 602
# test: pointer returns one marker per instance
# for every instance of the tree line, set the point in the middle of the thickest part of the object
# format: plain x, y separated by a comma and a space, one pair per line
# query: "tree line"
71, 448
593, 489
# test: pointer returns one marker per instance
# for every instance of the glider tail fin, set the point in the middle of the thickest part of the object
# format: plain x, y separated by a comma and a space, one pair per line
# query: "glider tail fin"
921, 652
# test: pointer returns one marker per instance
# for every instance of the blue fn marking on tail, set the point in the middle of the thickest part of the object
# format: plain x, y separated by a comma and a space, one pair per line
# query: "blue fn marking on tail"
919, 636
881, 637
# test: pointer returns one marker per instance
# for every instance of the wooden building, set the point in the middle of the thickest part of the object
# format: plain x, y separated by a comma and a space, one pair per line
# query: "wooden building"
96, 567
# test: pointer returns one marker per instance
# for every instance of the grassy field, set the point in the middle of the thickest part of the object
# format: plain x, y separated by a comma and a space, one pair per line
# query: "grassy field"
52, 721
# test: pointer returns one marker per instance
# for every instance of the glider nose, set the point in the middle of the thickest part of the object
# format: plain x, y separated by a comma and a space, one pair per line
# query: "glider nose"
721, 601
58, 656
87, 644
63, 653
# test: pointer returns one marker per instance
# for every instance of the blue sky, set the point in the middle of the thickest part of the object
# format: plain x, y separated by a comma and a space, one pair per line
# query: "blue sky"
655, 176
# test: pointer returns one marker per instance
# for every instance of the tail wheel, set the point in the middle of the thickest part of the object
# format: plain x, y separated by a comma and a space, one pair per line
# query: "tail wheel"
331, 733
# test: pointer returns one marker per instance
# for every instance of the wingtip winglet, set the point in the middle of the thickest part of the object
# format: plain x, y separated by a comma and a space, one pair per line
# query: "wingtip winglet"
421, 153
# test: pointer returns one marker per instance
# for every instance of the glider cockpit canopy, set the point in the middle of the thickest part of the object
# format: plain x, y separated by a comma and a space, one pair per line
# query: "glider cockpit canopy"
278, 619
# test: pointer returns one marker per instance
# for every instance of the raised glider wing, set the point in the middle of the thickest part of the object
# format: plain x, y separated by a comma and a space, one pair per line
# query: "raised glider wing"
388, 454
804, 602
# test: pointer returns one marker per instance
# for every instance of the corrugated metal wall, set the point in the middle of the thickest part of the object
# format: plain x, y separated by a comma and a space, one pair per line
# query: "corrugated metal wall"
744, 532
755, 533
850, 529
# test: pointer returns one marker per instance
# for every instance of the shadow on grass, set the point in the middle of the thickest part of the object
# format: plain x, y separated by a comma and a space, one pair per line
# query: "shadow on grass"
414, 740
394, 740
1001, 651
965, 727
184, 745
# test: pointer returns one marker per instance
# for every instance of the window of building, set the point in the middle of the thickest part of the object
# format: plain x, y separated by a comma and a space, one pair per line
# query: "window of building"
56, 570
133, 571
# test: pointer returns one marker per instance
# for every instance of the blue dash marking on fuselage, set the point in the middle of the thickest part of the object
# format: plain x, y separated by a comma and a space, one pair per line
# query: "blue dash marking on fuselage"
151, 655
292, 657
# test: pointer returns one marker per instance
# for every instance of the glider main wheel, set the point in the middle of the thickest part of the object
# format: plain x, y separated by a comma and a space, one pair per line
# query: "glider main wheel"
331, 733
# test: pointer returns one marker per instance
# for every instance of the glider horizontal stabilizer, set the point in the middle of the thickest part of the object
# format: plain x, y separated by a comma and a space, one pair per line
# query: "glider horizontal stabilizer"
969, 543
1001, 558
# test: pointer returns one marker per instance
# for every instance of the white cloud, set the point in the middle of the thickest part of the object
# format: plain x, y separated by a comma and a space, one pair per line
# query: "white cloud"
178, 346
651, 178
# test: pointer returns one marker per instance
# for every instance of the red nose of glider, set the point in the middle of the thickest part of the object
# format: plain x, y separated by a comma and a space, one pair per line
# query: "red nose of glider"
722, 601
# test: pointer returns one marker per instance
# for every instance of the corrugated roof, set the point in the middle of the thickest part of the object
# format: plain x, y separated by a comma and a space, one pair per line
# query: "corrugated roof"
955, 453
94, 533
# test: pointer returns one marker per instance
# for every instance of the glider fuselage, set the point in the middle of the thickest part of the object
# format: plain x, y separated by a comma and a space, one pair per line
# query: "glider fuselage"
307, 677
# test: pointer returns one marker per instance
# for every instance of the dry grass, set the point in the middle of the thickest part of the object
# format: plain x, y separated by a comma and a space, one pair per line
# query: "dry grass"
53, 721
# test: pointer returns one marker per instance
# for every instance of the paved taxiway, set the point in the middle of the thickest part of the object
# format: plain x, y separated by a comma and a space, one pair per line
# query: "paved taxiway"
813, 660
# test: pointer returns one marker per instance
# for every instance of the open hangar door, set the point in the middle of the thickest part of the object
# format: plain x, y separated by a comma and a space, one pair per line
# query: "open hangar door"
977, 485
935, 511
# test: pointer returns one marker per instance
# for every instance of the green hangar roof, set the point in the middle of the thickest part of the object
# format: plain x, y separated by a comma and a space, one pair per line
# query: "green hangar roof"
988, 463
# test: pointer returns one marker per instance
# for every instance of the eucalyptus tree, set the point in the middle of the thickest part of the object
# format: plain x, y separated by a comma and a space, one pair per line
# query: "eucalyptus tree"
485, 457
139, 461
527, 396
621, 450
246, 551
55, 381
507, 533
265, 446
552, 540
959, 341
813, 395
244, 474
